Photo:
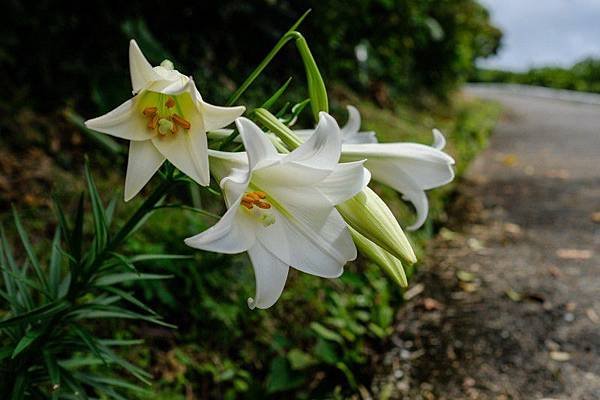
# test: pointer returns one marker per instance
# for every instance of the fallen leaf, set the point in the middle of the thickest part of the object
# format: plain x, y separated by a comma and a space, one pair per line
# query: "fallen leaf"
592, 315
574, 254
414, 291
554, 271
432, 304
510, 160
513, 295
465, 276
560, 356
513, 229
596, 217
475, 244
558, 173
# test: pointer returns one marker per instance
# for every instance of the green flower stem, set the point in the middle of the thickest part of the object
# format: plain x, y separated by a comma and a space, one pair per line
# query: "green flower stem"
290, 34
273, 124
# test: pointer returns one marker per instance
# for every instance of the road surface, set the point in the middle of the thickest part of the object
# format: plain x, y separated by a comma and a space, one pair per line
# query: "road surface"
508, 306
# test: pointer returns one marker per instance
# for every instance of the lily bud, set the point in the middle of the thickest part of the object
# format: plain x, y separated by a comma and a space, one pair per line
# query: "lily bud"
316, 85
387, 262
371, 217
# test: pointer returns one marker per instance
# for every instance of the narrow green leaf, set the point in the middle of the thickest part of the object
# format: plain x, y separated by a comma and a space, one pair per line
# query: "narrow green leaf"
110, 211
128, 297
60, 214
6, 352
7, 278
132, 369
118, 342
125, 262
124, 314
89, 341
19, 387
29, 250
77, 234
26, 341
55, 265
52, 367
154, 257
273, 99
38, 313
101, 234
126, 277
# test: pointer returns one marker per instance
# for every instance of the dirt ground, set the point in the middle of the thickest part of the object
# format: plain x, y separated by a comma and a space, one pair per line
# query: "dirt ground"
508, 304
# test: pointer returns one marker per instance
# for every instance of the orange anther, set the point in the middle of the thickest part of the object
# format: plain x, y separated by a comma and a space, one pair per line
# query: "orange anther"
170, 103
248, 199
253, 196
247, 205
263, 205
153, 122
262, 195
150, 111
181, 122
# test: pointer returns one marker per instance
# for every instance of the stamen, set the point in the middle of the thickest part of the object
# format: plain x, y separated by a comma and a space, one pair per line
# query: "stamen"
153, 122
150, 111
247, 205
181, 122
262, 195
263, 205
170, 103
253, 196
248, 199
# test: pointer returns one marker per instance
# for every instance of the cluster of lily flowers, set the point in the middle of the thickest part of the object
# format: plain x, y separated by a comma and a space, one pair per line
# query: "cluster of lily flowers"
295, 198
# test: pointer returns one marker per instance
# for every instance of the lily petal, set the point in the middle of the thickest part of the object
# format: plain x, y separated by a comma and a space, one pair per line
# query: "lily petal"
260, 150
144, 160
188, 152
439, 141
270, 274
419, 200
140, 69
346, 181
122, 122
308, 233
409, 184
322, 149
428, 166
216, 117
234, 233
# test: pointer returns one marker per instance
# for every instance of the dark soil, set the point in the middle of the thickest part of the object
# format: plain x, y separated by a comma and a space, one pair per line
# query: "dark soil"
508, 304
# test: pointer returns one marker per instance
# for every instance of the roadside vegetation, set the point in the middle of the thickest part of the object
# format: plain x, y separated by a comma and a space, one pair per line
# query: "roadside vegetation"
322, 339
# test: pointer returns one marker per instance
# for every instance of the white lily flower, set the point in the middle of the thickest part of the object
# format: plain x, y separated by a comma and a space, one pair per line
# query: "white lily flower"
409, 168
165, 120
351, 133
281, 207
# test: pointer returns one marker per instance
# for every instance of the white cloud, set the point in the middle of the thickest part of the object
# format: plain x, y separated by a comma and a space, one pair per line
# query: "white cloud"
544, 32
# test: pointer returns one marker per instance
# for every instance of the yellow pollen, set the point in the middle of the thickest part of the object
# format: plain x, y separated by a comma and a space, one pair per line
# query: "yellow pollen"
150, 111
251, 199
263, 205
181, 122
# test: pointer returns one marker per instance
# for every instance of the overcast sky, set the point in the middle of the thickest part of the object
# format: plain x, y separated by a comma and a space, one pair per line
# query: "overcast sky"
544, 32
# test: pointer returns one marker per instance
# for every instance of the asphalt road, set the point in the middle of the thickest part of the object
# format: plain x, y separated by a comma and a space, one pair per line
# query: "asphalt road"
510, 306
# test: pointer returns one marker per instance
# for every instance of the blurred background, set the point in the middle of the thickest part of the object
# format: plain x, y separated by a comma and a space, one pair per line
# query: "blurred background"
401, 62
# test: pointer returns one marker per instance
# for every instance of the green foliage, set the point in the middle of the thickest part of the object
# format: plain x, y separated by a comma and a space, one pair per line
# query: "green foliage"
412, 46
583, 76
48, 348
